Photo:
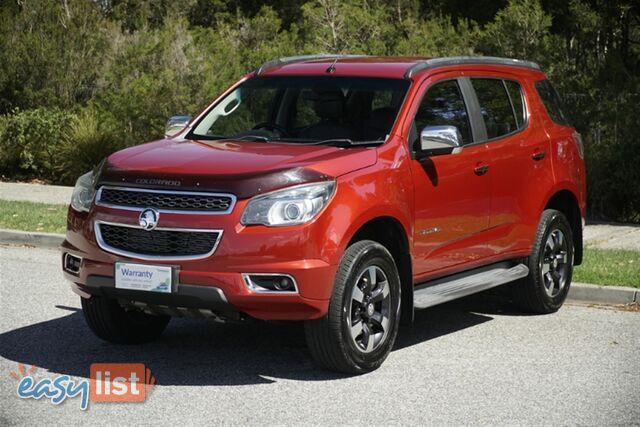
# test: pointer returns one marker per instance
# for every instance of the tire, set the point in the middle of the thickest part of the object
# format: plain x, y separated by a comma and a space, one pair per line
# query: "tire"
374, 320
546, 287
110, 322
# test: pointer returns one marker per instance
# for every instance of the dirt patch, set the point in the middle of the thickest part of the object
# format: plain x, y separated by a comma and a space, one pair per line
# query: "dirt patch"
632, 306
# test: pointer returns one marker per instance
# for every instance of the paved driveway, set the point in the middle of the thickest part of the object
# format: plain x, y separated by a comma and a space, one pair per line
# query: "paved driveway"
473, 362
38, 193
612, 236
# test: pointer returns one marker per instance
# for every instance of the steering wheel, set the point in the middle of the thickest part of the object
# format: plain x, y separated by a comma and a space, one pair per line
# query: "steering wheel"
269, 125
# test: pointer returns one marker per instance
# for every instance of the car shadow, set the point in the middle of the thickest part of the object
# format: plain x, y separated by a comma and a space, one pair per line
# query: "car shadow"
197, 352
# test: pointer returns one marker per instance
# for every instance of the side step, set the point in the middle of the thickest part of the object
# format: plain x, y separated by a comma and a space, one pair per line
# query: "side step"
463, 284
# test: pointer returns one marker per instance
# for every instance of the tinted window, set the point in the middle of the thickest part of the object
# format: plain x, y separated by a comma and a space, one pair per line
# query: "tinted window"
551, 101
443, 106
495, 107
517, 100
303, 113
305, 109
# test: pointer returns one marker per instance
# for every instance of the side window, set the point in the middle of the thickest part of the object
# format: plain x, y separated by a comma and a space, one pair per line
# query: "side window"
495, 107
443, 105
517, 100
551, 101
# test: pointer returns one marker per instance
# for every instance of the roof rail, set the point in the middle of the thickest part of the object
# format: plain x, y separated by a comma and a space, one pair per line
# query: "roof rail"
300, 58
460, 60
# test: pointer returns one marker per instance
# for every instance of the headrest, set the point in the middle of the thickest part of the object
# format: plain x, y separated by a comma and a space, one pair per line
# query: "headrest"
329, 103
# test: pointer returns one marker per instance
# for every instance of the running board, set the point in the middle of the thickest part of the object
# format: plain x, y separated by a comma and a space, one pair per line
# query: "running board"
463, 284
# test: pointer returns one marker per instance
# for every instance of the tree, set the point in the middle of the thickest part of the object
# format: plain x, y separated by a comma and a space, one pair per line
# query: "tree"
350, 26
520, 30
50, 53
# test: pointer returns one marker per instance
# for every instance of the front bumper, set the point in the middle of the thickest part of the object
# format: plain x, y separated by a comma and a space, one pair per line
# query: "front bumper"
223, 292
303, 252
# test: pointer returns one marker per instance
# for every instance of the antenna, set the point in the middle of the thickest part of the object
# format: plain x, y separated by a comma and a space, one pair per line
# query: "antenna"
332, 67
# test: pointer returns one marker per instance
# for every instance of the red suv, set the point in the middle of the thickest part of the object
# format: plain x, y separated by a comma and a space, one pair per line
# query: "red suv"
343, 191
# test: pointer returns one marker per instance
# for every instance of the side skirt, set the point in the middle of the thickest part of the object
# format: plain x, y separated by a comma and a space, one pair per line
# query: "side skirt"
459, 285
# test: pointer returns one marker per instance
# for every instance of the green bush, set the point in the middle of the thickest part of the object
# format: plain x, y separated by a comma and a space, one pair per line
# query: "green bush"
30, 141
52, 145
83, 145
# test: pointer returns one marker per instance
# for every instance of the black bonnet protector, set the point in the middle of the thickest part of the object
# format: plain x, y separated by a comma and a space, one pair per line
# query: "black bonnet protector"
242, 185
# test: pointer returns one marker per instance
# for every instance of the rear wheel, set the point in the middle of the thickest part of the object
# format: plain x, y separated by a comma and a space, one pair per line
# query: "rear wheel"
111, 322
550, 265
361, 325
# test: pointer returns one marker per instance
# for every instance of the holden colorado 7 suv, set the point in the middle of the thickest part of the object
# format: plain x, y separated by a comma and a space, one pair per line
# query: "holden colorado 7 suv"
342, 191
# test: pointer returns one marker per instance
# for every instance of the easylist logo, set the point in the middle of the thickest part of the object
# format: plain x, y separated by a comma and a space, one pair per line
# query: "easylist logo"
117, 382
108, 382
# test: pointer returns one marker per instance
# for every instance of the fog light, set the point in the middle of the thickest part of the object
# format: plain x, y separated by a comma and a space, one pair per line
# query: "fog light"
71, 263
283, 284
262, 282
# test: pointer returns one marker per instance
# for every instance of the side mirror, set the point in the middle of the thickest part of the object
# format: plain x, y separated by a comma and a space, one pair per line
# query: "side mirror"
438, 140
175, 124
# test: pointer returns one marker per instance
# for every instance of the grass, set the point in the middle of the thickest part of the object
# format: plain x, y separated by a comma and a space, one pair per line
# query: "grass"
600, 266
609, 267
30, 216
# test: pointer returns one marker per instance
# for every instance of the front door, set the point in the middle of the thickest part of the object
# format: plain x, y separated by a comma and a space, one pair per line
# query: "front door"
452, 191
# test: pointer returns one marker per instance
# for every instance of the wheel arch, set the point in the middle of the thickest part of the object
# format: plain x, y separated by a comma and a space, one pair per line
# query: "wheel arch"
392, 234
565, 201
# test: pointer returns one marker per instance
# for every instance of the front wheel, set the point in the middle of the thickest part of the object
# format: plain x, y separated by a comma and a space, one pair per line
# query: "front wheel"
361, 325
550, 265
113, 323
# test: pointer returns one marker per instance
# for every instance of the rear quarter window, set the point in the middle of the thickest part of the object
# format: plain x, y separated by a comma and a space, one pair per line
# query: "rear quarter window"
552, 102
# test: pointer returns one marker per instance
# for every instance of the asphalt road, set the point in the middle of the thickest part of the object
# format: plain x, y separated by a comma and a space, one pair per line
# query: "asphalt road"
472, 362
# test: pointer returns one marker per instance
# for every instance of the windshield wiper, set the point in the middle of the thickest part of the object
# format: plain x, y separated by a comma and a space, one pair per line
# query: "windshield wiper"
256, 138
259, 138
346, 142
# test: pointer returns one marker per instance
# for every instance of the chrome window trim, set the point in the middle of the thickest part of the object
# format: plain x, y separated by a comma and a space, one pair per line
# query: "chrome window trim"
251, 286
107, 248
170, 211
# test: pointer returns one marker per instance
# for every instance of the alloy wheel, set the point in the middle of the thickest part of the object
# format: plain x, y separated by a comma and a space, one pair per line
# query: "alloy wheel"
554, 265
369, 309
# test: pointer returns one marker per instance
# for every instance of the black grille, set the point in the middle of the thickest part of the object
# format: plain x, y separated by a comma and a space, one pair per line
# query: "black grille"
169, 201
158, 242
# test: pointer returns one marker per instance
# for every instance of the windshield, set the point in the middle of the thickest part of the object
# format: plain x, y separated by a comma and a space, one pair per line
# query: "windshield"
305, 109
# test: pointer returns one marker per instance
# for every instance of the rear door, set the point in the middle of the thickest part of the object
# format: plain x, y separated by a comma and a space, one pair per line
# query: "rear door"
519, 169
452, 194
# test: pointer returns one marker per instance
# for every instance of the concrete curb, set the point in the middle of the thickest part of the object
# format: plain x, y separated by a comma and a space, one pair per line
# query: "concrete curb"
579, 292
584, 292
44, 240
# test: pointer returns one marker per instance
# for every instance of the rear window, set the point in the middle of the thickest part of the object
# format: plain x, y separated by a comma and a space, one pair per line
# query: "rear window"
552, 102
495, 107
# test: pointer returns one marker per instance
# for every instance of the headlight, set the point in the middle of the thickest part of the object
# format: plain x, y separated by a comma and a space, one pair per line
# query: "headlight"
83, 193
293, 205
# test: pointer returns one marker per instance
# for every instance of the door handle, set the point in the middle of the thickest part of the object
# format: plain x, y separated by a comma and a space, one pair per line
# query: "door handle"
481, 169
538, 155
